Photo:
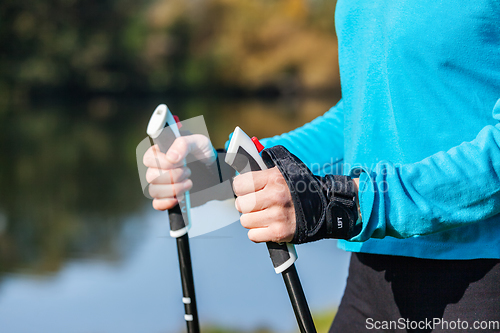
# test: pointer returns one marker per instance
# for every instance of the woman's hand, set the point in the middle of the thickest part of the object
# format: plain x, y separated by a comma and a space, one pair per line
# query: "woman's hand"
167, 174
266, 204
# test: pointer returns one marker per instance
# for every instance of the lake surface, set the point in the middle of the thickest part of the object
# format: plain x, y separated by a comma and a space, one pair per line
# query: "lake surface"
81, 249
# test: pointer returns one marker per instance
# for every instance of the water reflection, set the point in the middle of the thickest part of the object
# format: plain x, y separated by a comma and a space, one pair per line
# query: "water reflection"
66, 183
71, 209
235, 284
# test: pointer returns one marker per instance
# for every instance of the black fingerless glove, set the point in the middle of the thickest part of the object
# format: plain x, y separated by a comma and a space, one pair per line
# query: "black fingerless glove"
325, 207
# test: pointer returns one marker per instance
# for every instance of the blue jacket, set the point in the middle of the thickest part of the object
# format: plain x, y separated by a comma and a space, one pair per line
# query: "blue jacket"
420, 117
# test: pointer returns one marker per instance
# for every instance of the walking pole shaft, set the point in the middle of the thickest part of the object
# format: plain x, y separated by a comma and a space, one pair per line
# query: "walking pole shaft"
298, 300
186, 269
243, 156
179, 224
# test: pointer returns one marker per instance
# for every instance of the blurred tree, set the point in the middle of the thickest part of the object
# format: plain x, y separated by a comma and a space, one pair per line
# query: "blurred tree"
252, 45
66, 187
62, 193
70, 48
64, 46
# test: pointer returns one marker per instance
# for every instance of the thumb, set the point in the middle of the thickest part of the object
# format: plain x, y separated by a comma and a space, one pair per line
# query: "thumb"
196, 144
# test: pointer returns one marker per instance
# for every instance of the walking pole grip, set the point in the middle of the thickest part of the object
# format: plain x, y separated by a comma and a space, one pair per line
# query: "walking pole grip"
179, 218
163, 130
243, 156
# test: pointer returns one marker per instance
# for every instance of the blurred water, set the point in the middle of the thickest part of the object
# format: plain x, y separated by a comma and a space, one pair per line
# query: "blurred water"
81, 250
235, 284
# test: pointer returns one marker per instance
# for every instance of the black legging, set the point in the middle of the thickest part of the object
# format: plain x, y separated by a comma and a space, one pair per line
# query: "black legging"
383, 288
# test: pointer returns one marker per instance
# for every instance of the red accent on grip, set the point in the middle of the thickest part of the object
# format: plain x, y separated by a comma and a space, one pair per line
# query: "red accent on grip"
257, 144
176, 118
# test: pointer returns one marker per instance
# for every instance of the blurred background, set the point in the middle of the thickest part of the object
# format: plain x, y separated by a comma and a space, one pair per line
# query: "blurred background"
81, 249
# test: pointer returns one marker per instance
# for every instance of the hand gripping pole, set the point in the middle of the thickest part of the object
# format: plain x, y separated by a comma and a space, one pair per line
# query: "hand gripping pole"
243, 156
179, 217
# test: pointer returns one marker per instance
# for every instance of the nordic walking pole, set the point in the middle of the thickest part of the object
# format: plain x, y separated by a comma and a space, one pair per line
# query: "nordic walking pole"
243, 156
179, 221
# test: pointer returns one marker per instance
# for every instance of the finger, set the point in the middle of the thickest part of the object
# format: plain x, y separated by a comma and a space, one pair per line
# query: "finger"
254, 220
169, 191
260, 235
164, 204
276, 233
272, 219
154, 158
249, 182
197, 144
161, 176
253, 202
281, 232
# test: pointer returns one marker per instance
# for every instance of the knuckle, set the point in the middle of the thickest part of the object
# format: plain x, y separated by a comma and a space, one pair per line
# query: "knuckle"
176, 175
201, 140
181, 144
267, 195
277, 179
281, 187
283, 200
275, 200
275, 214
280, 232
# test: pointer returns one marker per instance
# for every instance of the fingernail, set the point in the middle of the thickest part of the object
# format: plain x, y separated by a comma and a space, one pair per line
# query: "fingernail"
173, 156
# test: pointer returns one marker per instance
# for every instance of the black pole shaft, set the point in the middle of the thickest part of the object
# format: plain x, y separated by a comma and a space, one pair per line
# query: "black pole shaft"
298, 300
177, 224
186, 269
188, 294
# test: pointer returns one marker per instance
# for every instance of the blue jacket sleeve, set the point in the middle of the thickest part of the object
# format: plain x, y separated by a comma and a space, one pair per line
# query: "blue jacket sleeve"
319, 144
446, 190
